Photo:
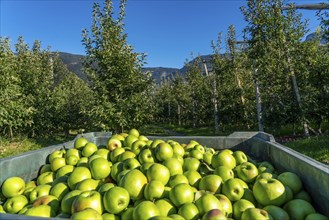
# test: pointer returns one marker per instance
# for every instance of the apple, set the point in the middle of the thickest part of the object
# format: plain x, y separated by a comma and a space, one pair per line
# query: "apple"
316, 216
89, 149
130, 164
57, 163
78, 174
176, 217
207, 202
255, 213
105, 153
71, 160
15, 204
142, 138
269, 192
59, 190
224, 172
129, 140
87, 214
189, 211
156, 142
178, 178
127, 214
214, 214
80, 142
2, 210
121, 175
163, 151
289, 194
134, 132
116, 199
227, 207
45, 168
82, 162
240, 157
303, 195
158, 172
88, 185
247, 172
174, 166
146, 156
50, 200
68, 200
46, 178
193, 177
145, 210
298, 209
145, 167
211, 183
62, 179
165, 207
223, 158
113, 143
88, 199
55, 154
154, 190
115, 170
249, 195
292, 181
114, 154
28, 188
108, 216
134, 182
191, 163
240, 206
65, 171
125, 155
276, 212
73, 152
233, 189
207, 157
137, 146
93, 157
196, 154
178, 149
40, 211
265, 166
180, 194
100, 168
266, 175
41, 190
13, 186
105, 187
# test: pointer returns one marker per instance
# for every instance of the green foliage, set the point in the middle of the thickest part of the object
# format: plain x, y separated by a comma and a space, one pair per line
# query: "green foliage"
114, 70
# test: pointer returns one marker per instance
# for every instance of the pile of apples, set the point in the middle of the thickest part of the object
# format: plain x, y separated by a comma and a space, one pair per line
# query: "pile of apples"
133, 177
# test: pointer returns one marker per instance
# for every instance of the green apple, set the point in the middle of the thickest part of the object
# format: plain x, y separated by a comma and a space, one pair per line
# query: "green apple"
116, 199
227, 207
165, 207
191, 163
303, 195
189, 211
156, 142
266, 175
240, 157
41, 190
13, 186
71, 160
146, 156
223, 158
121, 175
158, 172
88, 185
130, 164
2, 210
82, 162
68, 200
41, 211
115, 170
105, 153
57, 163
276, 212
93, 157
87, 214
249, 195
211, 183
265, 166
195, 154
65, 171
207, 202
45, 168
108, 216
316, 216
55, 154
269, 192
80, 142
114, 155
129, 140
176, 217
145, 210
193, 177
163, 151
46, 178
247, 172
73, 152
143, 138
255, 213
100, 168
134, 182
134, 132
145, 167
154, 190
291, 180
28, 188
298, 209
125, 155
15, 204
224, 172
178, 149
88, 199
178, 178
59, 190
105, 187
127, 214
174, 166
289, 194
214, 214
207, 157
180, 194
137, 146
113, 143
240, 206
62, 179
89, 149
50, 200
233, 189
78, 174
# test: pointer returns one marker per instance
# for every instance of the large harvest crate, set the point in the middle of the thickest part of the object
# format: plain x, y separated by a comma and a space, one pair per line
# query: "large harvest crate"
259, 145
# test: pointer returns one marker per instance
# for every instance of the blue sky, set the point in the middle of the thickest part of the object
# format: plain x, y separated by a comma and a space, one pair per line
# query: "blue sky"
168, 31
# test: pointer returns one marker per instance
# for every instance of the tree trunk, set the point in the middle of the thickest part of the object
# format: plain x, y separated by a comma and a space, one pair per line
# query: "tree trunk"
258, 103
242, 98
179, 115
215, 101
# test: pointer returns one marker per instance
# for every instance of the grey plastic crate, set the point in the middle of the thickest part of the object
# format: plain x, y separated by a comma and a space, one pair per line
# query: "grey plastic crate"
259, 145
